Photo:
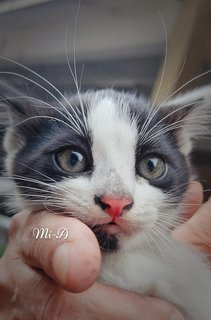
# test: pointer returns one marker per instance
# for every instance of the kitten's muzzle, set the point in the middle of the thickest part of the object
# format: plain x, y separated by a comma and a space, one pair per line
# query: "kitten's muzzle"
113, 206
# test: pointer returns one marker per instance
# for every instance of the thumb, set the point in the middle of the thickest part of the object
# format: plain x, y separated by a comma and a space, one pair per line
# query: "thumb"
73, 262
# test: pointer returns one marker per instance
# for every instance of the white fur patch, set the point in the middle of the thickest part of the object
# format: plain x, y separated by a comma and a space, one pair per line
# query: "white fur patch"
114, 141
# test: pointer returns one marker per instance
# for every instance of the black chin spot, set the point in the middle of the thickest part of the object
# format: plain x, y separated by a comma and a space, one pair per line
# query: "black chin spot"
107, 242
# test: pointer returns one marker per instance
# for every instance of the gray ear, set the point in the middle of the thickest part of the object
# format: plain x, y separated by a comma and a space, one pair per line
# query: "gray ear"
16, 108
16, 104
189, 116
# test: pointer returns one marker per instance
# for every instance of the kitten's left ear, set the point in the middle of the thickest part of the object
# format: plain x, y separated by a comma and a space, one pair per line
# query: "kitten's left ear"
188, 116
19, 114
18, 105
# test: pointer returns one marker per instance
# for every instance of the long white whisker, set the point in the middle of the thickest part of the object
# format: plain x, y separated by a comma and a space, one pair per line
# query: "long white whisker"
48, 185
74, 41
151, 115
168, 115
43, 117
27, 179
184, 85
70, 69
53, 193
156, 243
46, 81
182, 67
46, 90
171, 127
74, 74
39, 172
163, 237
152, 111
81, 76
148, 237
178, 187
165, 59
47, 105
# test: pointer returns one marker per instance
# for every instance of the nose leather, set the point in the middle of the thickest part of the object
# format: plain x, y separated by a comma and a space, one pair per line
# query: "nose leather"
115, 207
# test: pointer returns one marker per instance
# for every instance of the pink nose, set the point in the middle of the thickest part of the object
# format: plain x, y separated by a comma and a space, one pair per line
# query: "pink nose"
115, 207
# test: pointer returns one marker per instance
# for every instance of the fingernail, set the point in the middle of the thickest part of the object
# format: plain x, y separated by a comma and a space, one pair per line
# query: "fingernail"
61, 262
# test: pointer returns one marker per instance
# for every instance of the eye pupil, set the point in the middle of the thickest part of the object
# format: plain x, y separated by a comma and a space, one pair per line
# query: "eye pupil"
75, 158
152, 163
71, 161
151, 167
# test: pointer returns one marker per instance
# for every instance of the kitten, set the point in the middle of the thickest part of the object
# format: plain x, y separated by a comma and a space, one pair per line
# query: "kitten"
122, 167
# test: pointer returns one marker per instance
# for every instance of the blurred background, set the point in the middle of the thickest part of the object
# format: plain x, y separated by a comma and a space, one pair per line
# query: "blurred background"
123, 44
118, 43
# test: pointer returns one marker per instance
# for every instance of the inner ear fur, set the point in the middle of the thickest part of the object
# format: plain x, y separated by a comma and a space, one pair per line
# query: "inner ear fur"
189, 116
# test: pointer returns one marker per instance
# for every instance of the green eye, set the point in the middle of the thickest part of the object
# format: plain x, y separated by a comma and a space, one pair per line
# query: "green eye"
71, 161
151, 167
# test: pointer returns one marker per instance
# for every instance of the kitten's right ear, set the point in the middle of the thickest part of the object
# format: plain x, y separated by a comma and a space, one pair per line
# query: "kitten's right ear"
188, 117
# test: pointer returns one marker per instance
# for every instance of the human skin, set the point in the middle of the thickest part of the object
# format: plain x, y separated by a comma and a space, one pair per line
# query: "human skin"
43, 279
197, 230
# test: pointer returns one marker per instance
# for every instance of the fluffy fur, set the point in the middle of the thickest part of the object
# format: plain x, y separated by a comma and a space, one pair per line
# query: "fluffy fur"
115, 131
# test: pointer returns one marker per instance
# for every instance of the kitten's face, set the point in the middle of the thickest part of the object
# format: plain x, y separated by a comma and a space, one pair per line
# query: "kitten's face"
106, 164
105, 157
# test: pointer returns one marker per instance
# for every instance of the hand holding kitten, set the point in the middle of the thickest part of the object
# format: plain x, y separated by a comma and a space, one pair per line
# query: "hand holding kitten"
32, 271
197, 229
36, 275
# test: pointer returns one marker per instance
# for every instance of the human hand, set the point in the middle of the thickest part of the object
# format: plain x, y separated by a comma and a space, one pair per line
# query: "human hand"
39, 278
197, 229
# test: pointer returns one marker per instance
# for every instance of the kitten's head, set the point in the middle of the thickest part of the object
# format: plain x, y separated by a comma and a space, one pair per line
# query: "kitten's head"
105, 157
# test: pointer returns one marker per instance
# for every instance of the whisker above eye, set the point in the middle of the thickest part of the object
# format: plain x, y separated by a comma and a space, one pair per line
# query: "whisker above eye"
46, 105
146, 134
36, 74
42, 87
184, 85
74, 74
175, 125
153, 110
74, 122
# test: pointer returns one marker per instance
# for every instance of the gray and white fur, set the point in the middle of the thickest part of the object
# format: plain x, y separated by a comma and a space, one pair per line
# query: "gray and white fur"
69, 155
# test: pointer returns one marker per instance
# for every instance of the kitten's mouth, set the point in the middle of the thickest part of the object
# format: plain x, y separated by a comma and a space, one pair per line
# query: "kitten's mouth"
108, 233
111, 227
